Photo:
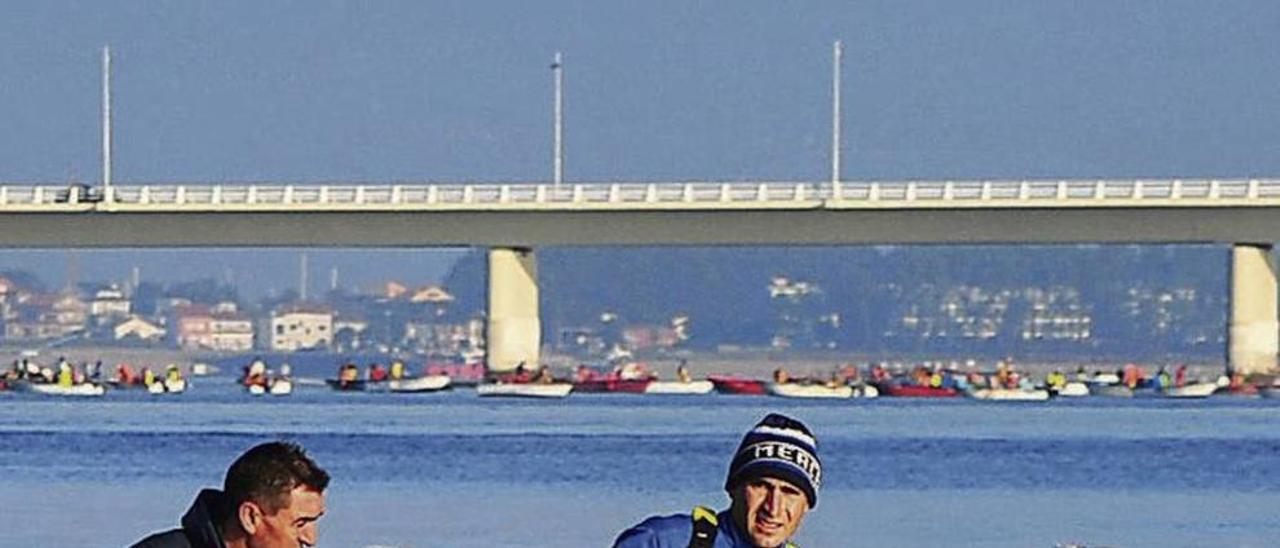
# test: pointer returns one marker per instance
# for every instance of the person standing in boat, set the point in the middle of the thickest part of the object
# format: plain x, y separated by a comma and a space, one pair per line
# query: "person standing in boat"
682, 373
272, 497
773, 483
377, 373
348, 374
66, 377
544, 376
173, 374
397, 370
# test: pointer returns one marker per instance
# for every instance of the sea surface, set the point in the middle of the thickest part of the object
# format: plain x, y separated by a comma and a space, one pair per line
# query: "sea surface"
452, 469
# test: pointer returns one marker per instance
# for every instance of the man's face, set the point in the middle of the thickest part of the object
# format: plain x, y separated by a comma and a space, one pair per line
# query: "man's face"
769, 510
293, 525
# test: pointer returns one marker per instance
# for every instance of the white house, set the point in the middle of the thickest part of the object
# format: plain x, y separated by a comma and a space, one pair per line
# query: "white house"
301, 327
141, 329
109, 303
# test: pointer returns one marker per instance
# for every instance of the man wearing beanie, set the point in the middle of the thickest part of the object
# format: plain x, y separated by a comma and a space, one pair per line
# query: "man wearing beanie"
773, 481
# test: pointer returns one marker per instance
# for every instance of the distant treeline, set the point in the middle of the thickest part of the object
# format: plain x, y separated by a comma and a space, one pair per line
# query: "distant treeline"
725, 292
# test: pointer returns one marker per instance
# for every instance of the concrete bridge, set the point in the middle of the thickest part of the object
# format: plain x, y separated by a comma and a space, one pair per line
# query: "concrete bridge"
513, 219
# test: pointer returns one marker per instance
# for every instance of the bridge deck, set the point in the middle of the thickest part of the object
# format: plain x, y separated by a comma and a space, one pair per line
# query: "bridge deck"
752, 213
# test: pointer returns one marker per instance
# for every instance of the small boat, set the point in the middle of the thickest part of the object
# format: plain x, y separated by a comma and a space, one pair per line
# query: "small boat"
1111, 390
1073, 389
636, 386
1196, 390
737, 385
677, 387
1241, 390
50, 389
917, 391
358, 385
524, 390
168, 387
866, 391
797, 390
1009, 394
1104, 378
428, 383
279, 387
468, 374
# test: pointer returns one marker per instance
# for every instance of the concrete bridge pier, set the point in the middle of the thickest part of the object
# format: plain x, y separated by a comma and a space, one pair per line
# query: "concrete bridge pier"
1254, 330
514, 329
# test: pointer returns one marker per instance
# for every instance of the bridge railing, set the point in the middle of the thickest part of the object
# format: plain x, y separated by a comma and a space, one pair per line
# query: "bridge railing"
1065, 190
465, 194
994, 193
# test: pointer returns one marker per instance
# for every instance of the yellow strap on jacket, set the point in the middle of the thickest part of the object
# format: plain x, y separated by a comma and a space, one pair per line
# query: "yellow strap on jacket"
705, 527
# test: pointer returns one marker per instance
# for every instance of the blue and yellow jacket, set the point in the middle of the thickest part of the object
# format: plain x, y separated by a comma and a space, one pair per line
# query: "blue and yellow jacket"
676, 531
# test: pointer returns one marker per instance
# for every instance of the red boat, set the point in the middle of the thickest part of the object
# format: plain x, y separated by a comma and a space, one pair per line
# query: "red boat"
737, 385
916, 391
469, 374
612, 385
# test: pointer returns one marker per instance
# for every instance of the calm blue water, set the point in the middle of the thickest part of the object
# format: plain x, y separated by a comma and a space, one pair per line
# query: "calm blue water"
453, 469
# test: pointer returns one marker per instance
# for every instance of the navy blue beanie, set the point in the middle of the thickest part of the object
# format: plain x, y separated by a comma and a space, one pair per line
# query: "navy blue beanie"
781, 447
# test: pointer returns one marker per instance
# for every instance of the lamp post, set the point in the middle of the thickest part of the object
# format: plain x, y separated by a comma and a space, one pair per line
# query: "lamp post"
557, 69
837, 55
106, 120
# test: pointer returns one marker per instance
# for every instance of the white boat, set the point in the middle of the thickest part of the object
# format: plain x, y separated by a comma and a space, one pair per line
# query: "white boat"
1111, 390
177, 386
281, 387
797, 390
677, 387
429, 383
1006, 394
86, 389
525, 390
866, 391
1074, 389
1197, 390
1104, 378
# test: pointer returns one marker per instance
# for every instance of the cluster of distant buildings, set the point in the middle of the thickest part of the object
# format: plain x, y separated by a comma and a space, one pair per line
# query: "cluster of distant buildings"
395, 317
426, 319
1056, 314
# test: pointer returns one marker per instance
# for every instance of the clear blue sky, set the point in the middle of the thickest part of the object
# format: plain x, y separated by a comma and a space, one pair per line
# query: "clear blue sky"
679, 90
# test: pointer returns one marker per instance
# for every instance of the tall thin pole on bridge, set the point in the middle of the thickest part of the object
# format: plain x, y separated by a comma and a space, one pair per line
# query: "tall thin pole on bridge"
837, 56
106, 119
557, 69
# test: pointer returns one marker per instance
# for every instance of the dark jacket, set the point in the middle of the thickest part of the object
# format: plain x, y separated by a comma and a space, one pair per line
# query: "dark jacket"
674, 532
200, 525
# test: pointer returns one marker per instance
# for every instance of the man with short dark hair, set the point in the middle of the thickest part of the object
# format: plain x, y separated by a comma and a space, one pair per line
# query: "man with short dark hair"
773, 482
272, 497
